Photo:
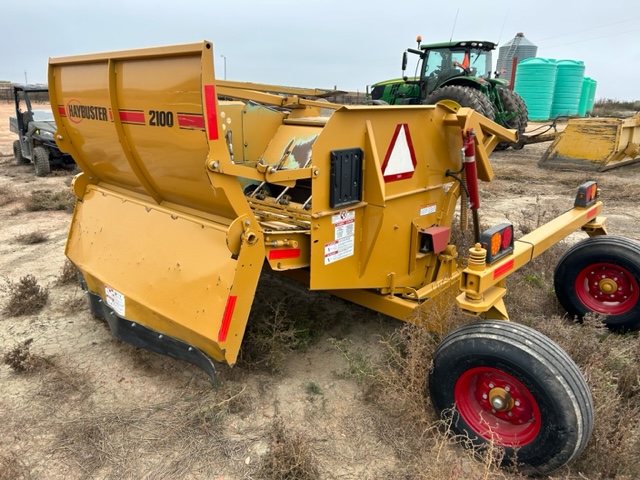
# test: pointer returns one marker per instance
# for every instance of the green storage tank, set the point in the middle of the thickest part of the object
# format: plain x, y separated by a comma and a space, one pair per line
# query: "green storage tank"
592, 96
535, 82
584, 96
566, 96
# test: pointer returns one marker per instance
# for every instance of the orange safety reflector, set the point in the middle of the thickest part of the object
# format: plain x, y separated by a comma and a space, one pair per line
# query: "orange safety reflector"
496, 243
226, 318
587, 194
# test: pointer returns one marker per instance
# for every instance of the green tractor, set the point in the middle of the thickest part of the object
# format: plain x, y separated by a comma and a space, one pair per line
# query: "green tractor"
457, 73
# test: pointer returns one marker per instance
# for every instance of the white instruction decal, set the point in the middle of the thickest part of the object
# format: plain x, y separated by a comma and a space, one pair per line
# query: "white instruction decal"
427, 209
114, 299
344, 230
338, 249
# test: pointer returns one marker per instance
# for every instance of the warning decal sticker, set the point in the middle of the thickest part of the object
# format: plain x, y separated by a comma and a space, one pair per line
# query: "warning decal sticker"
343, 245
400, 160
114, 299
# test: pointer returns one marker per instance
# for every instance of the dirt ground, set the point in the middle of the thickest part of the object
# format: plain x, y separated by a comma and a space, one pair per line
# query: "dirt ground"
108, 410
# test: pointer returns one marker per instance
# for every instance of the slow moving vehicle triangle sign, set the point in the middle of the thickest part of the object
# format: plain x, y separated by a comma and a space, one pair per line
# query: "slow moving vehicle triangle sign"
400, 160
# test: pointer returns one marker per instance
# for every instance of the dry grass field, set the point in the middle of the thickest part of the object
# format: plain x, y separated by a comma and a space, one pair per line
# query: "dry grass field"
324, 389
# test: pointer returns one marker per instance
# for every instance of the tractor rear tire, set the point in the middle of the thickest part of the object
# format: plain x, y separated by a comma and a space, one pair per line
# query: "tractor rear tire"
465, 97
506, 385
512, 102
601, 274
17, 153
41, 161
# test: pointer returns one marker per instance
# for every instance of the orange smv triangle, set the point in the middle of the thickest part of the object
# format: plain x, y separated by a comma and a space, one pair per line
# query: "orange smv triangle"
400, 161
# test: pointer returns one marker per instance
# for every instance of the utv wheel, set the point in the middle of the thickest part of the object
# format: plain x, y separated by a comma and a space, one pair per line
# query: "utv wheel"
508, 384
463, 96
601, 274
41, 161
17, 153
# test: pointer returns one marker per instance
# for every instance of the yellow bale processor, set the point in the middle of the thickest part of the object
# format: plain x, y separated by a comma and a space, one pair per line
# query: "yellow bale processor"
595, 144
184, 198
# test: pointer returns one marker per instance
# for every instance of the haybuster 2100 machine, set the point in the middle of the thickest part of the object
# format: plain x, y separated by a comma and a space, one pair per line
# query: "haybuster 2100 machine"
184, 198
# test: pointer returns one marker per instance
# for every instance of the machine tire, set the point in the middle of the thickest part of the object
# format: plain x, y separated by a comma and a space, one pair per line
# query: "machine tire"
41, 161
463, 96
601, 274
512, 102
17, 153
548, 414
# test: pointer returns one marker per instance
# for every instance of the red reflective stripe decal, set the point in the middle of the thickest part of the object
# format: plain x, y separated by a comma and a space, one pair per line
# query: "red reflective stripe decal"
210, 111
133, 116
62, 111
502, 269
592, 213
190, 120
226, 318
284, 253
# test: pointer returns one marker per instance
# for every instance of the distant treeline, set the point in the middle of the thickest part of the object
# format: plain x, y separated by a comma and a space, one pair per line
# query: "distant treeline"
608, 105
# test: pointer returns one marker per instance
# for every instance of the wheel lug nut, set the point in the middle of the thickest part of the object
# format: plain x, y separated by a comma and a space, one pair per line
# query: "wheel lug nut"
517, 403
491, 385
507, 389
484, 396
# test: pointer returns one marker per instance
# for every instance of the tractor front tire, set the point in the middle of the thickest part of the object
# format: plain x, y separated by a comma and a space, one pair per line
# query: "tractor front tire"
17, 153
601, 274
465, 97
41, 161
506, 385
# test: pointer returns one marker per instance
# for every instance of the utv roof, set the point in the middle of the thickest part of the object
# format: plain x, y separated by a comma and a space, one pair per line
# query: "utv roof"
481, 44
31, 87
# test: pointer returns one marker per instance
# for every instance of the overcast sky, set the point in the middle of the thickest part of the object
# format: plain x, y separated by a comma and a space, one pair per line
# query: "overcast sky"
324, 43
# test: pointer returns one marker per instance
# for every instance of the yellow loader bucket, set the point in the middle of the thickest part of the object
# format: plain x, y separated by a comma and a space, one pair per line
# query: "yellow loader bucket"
149, 232
183, 198
595, 144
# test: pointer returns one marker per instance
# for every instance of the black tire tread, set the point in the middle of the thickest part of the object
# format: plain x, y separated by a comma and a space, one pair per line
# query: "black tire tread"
41, 161
547, 352
512, 102
17, 153
603, 244
465, 97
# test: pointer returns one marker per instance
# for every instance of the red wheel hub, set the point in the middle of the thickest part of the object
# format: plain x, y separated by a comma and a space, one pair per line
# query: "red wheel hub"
497, 406
607, 288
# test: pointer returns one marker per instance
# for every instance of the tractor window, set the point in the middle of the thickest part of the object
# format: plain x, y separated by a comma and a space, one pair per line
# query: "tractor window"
480, 63
440, 63
435, 61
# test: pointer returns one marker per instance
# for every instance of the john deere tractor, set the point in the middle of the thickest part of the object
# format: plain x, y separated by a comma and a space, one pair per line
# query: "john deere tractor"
459, 74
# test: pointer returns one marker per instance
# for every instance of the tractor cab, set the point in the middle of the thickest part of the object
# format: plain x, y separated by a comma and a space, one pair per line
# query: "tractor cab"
461, 63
